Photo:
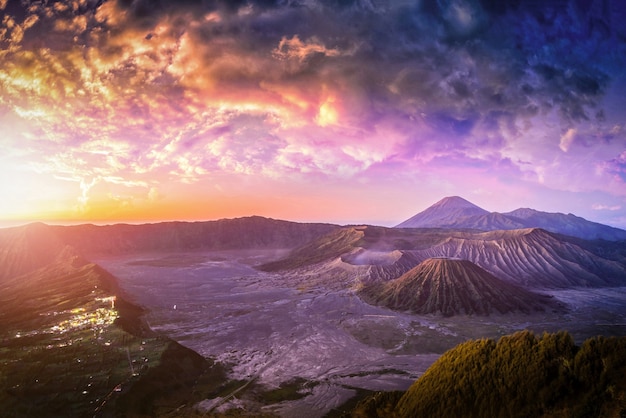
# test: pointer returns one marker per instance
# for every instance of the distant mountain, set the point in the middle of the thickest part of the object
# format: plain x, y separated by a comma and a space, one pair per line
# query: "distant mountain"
457, 213
566, 224
453, 286
446, 212
27, 248
253, 232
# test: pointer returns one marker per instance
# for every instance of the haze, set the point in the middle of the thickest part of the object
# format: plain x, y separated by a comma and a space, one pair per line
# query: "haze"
338, 111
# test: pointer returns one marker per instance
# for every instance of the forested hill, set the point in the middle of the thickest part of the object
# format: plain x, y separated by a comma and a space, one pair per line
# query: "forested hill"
520, 375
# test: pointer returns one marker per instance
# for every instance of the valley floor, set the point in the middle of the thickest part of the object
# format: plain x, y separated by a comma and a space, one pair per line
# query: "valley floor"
273, 329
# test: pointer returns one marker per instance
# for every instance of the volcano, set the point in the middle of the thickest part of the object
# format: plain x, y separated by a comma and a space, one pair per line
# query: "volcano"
446, 212
451, 286
457, 213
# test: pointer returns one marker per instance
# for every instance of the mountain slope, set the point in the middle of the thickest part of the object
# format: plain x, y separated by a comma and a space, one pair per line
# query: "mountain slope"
27, 248
566, 224
240, 233
520, 375
528, 257
532, 257
382, 248
444, 213
451, 287
523, 376
325, 248
73, 346
457, 213
487, 222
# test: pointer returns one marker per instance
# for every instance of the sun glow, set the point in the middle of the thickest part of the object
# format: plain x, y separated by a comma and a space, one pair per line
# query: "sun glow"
328, 114
215, 101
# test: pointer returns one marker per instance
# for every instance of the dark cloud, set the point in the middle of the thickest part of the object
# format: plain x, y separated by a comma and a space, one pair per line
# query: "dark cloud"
461, 66
459, 127
148, 8
444, 56
500, 7
617, 166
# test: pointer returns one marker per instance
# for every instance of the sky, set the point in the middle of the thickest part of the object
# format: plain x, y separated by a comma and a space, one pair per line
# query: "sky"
342, 111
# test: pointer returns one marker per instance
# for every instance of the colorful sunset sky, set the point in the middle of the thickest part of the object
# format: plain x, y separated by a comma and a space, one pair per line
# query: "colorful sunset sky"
343, 111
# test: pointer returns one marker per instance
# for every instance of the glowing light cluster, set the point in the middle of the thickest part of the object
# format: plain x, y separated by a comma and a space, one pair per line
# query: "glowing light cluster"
96, 319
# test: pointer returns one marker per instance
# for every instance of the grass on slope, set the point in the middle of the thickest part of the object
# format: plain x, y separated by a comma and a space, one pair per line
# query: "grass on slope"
520, 375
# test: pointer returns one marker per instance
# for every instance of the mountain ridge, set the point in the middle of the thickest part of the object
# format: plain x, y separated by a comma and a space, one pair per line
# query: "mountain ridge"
74, 345
529, 257
27, 248
237, 233
457, 213
532, 257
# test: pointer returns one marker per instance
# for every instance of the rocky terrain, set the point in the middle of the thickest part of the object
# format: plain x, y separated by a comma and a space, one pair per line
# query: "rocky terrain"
451, 286
284, 319
530, 257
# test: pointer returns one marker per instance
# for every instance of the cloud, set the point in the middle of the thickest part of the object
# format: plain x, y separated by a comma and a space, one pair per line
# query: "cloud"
616, 167
136, 93
294, 48
463, 16
597, 206
567, 139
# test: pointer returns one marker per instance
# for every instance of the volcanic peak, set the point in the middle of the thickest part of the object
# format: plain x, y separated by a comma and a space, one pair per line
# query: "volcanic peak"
457, 213
456, 202
452, 286
443, 213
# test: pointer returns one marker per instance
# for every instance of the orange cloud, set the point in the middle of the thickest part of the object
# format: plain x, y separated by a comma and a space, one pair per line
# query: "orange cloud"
567, 139
294, 48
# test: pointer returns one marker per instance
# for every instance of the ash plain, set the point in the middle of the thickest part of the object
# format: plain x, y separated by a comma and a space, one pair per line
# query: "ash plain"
274, 328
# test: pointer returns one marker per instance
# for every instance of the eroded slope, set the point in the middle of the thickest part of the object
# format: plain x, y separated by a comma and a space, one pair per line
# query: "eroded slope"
532, 257
453, 286
528, 257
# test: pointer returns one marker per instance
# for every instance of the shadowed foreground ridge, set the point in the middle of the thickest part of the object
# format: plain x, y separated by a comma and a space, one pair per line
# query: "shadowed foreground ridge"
453, 286
520, 375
